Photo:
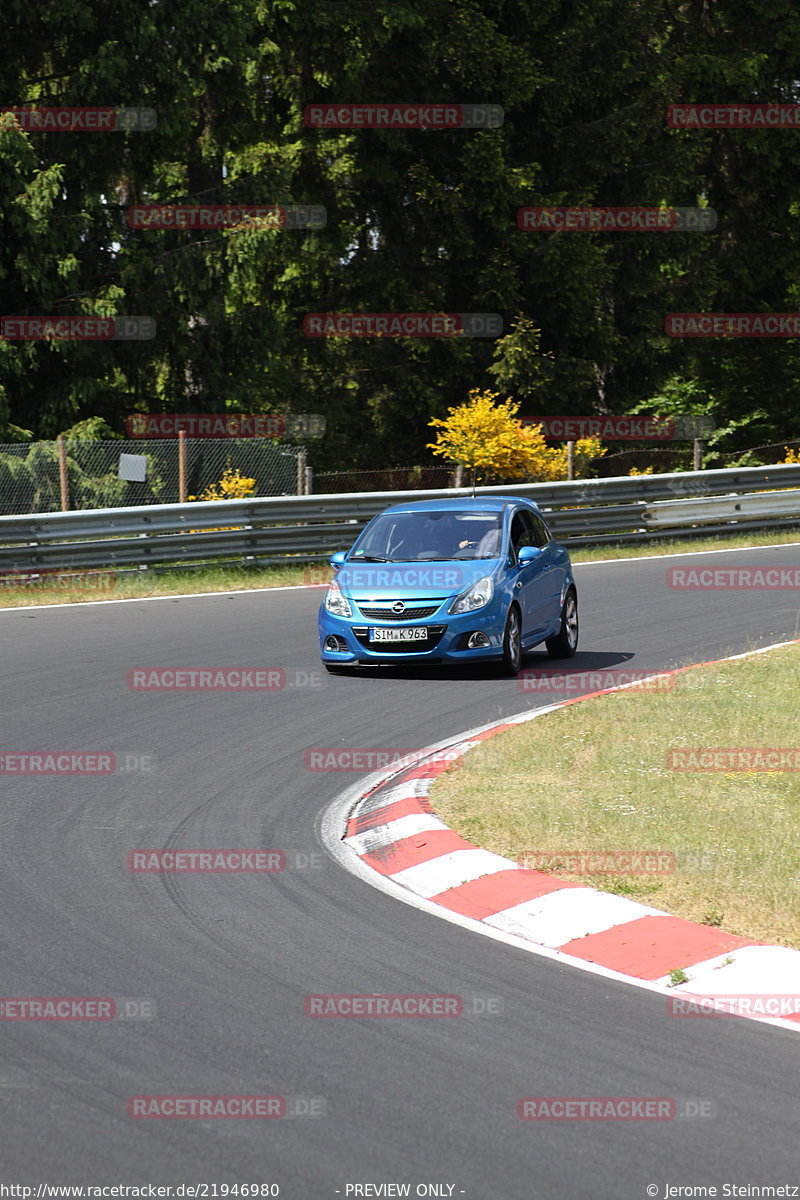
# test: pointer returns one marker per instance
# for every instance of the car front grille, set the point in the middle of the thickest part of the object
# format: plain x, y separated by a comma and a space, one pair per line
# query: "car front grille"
408, 614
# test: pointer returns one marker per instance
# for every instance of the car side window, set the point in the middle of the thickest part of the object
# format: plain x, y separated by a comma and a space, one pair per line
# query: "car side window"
541, 532
522, 532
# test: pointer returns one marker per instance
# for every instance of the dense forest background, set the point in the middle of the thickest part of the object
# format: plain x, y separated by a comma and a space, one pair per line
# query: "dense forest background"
417, 221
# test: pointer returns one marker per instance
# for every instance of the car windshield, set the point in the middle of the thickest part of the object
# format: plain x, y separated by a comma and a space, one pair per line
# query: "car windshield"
430, 536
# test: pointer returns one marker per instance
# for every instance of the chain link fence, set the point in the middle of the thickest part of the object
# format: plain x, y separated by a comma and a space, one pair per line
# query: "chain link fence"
773, 452
654, 460
632, 460
31, 475
390, 479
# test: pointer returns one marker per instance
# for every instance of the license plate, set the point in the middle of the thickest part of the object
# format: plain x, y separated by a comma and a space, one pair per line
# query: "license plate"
398, 635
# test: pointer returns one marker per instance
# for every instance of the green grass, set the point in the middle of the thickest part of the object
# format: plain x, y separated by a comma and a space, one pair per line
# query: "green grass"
594, 777
212, 578
108, 586
698, 545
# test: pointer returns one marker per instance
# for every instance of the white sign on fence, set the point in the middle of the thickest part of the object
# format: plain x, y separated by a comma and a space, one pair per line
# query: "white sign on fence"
133, 467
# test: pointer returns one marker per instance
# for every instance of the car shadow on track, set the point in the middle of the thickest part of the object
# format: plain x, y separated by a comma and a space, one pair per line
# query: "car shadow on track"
536, 662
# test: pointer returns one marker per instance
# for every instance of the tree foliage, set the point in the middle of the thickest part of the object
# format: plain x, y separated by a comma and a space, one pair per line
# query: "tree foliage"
418, 221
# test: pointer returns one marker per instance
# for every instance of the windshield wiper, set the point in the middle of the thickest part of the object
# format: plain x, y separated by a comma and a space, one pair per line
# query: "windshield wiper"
371, 558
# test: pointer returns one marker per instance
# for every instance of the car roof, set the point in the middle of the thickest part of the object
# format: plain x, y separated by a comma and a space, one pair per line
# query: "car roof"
462, 504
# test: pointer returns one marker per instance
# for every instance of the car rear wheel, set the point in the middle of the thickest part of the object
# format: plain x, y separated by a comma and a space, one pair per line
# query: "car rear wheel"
565, 642
512, 643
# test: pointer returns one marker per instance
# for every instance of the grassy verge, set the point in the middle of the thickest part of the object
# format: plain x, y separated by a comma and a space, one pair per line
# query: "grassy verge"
594, 777
57, 589
698, 545
127, 586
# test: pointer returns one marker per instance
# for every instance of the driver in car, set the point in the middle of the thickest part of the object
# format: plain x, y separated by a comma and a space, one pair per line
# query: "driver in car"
489, 545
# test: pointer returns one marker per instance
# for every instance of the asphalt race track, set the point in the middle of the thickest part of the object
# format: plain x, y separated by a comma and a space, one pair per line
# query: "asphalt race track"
228, 959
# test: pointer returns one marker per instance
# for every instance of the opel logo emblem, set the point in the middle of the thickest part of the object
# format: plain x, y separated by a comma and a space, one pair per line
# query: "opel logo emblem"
398, 606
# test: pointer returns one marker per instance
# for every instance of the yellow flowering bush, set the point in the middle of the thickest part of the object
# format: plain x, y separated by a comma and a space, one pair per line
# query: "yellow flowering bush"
232, 486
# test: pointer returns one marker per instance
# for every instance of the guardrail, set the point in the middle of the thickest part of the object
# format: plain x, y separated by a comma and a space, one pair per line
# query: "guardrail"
280, 529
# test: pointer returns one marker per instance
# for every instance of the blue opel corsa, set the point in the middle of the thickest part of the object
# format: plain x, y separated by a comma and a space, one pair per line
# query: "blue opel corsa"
447, 581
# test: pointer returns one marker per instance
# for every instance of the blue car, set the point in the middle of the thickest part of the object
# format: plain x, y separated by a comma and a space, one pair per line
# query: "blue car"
449, 581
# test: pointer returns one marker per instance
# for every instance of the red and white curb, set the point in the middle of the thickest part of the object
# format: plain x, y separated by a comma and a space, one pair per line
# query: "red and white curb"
394, 840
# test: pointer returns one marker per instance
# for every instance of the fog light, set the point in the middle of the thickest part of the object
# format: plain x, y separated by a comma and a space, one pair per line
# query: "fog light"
335, 645
477, 641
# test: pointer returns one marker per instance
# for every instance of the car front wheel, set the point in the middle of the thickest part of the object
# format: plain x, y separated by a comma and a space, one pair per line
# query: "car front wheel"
565, 642
512, 643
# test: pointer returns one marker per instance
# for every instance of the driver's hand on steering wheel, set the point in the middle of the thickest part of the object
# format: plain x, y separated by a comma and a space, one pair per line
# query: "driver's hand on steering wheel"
463, 545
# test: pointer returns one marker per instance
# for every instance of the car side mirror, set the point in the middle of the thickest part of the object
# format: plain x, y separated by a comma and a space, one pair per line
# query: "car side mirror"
528, 554
338, 559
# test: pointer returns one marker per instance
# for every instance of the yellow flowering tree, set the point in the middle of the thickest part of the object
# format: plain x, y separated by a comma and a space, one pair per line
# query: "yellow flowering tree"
486, 436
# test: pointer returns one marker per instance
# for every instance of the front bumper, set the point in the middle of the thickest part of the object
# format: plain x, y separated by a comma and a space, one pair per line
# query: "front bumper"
446, 641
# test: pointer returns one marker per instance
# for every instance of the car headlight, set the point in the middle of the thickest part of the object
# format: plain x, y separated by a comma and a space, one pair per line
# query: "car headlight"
336, 602
476, 596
